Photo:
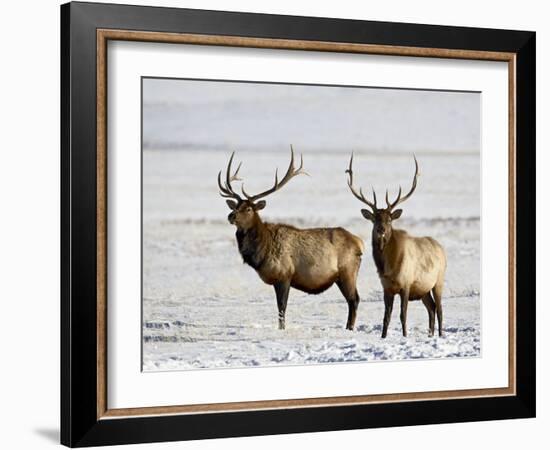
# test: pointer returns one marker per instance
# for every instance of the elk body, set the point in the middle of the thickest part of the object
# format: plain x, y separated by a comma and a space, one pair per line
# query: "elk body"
413, 267
310, 260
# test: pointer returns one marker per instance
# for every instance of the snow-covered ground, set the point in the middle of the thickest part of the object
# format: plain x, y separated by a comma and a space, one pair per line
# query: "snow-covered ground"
203, 308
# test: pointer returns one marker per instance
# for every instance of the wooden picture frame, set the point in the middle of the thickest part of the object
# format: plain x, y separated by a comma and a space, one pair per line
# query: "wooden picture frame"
86, 418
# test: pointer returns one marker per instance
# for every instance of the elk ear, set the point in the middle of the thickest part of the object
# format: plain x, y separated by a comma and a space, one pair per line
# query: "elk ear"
232, 205
260, 205
396, 214
367, 214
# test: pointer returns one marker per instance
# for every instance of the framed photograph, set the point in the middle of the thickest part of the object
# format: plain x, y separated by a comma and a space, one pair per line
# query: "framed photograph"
276, 224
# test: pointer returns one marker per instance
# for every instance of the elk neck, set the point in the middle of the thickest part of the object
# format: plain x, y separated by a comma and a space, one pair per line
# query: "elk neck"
254, 243
378, 253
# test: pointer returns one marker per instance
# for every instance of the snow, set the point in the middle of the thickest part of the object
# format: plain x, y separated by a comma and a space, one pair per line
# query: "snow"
203, 308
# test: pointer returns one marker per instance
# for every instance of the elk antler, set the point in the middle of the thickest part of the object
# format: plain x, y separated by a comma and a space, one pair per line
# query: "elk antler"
290, 173
227, 190
359, 195
399, 200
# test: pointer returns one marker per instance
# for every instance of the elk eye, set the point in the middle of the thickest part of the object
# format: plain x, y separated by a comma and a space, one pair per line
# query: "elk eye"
249, 209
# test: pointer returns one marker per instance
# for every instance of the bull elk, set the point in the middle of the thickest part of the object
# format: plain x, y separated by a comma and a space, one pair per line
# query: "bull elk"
310, 260
413, 267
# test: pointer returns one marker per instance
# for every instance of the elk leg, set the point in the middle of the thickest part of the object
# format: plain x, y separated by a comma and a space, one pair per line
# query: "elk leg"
282, 289
404, 303
388, 308
430, 306
437, 291
349, 291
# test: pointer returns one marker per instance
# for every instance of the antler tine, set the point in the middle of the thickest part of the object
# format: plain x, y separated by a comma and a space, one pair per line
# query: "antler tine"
290, 173
223, 192
359, 195
400, 199
227, 190
228, 172
235, 177
391, 205
300, 170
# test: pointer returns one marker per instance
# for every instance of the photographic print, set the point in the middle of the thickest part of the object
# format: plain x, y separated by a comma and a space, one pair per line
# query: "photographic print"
288, 224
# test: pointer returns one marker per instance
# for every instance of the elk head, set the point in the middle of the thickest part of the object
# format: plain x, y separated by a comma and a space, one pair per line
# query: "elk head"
244, 210
381, 217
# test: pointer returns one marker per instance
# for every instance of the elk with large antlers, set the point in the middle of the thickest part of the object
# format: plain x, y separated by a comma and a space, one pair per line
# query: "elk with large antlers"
309, 260
413, 267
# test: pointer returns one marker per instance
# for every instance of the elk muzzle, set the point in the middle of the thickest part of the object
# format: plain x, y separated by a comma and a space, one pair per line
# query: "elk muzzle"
382, 236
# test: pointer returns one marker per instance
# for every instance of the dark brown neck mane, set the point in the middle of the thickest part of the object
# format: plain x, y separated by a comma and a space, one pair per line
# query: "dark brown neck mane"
377, 254
254, 244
